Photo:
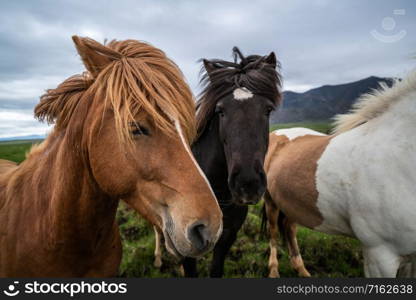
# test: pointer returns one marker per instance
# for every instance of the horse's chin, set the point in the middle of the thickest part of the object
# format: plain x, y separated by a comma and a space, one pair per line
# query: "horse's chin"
179, 253
244, 200
170, 246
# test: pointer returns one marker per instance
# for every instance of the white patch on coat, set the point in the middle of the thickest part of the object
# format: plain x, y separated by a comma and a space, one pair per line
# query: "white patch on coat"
295, 132
242, 94
366, 178
188, 149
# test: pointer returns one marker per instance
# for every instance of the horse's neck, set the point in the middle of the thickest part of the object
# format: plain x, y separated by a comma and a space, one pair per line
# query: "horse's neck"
64, 193
209, 152
393, 130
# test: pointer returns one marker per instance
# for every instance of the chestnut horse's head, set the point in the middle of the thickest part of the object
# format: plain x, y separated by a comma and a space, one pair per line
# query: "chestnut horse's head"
132, 117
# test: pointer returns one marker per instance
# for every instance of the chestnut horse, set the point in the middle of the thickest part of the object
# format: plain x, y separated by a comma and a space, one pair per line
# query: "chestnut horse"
358, 182
122, 131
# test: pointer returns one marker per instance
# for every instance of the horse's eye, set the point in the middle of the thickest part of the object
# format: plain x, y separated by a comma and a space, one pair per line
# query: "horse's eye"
219, 111
139, 130
269, 110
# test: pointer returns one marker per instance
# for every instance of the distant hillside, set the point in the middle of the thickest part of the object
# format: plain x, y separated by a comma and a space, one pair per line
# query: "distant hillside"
323, 103
25, 138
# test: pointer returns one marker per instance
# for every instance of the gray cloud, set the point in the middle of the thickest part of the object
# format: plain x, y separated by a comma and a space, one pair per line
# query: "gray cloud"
318, 42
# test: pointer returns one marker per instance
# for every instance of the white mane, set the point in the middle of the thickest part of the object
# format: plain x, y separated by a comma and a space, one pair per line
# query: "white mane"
372, 105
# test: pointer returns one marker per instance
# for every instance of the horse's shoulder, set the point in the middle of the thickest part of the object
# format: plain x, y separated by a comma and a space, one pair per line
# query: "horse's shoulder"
291, 173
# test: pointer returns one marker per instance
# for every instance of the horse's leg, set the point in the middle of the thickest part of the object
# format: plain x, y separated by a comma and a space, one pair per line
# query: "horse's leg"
380, 262
413, 271
189, 267
158, 250
405, 270
182, 270
272, 213
408, 268
233, 219
295, 258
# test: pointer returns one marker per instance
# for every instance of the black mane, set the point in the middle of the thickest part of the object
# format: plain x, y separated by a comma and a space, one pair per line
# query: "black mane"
253, 72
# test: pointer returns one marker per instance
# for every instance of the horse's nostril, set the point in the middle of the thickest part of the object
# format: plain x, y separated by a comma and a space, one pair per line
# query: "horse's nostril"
232, 180
198, 235
250, 201
262, 176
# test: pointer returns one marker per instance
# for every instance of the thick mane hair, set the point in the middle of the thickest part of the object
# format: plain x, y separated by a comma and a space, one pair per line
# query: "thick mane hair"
253, 72
374, 104
129, 77
57, 105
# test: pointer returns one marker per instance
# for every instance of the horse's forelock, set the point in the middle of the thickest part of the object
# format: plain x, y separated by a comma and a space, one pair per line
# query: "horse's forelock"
140, 79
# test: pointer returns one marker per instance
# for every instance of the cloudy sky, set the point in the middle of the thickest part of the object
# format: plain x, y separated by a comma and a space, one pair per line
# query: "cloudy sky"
318, 42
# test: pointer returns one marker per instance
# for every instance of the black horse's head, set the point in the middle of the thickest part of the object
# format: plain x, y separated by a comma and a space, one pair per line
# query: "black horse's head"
240, 96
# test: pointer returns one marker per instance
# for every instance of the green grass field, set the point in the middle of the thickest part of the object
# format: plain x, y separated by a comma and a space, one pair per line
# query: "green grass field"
324, 255
15, 150
323, 127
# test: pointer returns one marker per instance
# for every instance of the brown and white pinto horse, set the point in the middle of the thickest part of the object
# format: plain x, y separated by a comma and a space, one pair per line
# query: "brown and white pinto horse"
122, 131
358, 182
283, 142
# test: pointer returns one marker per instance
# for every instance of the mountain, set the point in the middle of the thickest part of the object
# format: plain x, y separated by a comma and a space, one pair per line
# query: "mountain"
321, 104
25, 137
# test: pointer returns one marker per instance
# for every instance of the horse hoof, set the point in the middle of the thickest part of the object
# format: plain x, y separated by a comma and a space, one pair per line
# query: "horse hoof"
274, 274
182, 271
157, 263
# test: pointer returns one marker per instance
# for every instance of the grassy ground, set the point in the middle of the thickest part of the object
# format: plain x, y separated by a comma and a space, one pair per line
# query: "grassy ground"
324, 127
15, 150
324, 255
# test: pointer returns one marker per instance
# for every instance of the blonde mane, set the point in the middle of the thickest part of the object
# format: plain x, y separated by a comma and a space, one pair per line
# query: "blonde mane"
374, 104
130, 77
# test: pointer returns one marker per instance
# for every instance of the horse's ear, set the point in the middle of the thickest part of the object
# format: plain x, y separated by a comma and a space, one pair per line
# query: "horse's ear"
210, 66
94, 55
271, 59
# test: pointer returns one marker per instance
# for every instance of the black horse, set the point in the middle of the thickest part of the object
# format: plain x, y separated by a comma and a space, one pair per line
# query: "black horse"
233, 129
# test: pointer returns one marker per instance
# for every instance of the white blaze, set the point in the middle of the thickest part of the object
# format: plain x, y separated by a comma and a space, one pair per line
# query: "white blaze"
242, 94
188, 149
